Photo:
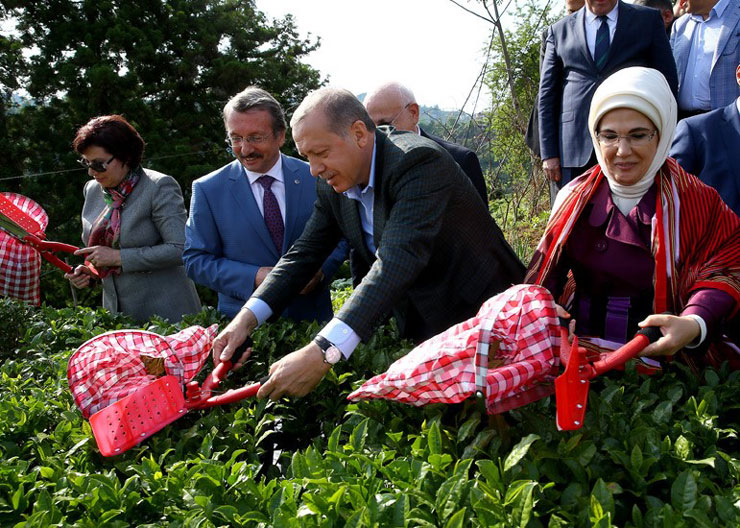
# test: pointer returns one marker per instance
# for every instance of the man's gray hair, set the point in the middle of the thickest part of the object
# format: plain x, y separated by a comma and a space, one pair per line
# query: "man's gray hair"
255, 98
340, 107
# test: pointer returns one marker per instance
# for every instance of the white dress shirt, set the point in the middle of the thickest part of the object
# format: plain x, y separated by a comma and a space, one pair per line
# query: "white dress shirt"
694, 90
277, 188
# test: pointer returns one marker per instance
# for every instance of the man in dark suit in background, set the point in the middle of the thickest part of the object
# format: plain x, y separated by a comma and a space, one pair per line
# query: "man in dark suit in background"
395, 105
431, 252
707, 146
583, 49
532, 135
664, 7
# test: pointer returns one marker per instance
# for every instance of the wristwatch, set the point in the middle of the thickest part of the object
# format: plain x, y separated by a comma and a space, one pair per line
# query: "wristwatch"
331, 353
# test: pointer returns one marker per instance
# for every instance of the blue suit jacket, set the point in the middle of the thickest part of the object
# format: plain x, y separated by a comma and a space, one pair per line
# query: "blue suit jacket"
707, 146
226, 240
723, 88
569, 76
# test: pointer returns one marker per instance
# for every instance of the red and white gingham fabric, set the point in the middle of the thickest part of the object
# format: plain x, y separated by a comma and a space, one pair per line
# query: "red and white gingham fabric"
442, 369
108, 367
20, 264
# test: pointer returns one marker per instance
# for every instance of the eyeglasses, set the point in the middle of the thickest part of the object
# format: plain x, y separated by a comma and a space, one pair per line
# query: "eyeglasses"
96, 165
636, 139
390, 123
255, 139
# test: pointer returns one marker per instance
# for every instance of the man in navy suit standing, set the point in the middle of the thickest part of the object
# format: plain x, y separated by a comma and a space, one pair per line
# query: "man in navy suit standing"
582, 50
247, 214
707, 146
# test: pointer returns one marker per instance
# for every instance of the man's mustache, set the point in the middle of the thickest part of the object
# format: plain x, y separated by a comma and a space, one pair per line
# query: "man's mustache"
253, 155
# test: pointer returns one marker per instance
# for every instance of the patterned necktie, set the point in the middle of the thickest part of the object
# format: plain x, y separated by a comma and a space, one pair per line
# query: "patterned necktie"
271, 211
601, 50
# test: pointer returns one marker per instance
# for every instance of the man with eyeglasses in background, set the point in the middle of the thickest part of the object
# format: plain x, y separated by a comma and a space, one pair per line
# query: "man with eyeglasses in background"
394, 104
247, 214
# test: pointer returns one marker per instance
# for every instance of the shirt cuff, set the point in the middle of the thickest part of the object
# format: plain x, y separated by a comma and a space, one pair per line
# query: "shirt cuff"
259, 308
339, 334
702, 333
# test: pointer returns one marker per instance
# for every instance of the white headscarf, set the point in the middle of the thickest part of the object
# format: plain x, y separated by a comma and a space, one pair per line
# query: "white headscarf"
646, 91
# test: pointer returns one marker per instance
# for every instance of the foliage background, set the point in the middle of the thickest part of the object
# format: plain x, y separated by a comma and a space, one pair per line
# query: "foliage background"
654, 452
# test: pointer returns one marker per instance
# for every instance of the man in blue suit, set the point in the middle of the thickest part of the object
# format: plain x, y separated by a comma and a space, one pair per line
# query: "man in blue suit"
706, 47
247, 214
582, 50
707, 146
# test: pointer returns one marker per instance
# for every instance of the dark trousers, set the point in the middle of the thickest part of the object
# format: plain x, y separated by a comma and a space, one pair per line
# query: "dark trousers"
569, 173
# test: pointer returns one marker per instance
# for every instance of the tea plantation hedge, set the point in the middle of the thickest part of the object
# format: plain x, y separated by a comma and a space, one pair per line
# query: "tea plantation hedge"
655, 452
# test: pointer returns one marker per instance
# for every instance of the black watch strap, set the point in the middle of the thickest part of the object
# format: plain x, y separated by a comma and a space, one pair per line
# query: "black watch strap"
323, 343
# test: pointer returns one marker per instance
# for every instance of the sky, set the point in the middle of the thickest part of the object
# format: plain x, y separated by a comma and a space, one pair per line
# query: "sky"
432, 46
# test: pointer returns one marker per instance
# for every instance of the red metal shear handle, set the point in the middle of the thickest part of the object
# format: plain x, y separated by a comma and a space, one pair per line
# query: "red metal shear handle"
200, 397
46, 249
642, 339
571, 387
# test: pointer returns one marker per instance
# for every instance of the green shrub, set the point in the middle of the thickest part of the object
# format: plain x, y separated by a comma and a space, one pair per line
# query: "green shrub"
660, 451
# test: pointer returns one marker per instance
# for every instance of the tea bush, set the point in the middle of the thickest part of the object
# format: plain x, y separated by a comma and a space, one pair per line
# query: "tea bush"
658, 451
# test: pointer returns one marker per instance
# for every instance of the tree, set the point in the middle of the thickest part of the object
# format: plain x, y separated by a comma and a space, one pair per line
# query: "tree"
169, 66
520, 203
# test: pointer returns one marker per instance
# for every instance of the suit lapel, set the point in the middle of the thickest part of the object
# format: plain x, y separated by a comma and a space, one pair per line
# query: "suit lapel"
352, 227
294, 197
379, 206
579, 30
624, 19
242, 193
683, 48
728, 30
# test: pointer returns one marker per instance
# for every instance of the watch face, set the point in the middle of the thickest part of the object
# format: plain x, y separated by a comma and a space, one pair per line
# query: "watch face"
332, 355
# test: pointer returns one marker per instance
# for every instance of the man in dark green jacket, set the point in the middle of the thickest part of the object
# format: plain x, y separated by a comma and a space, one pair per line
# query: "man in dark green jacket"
429, 251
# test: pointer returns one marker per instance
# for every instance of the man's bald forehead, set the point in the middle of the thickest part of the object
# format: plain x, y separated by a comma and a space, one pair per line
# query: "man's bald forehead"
391, 91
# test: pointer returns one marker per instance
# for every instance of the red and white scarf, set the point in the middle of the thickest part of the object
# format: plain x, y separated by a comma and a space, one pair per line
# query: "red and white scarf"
695, 238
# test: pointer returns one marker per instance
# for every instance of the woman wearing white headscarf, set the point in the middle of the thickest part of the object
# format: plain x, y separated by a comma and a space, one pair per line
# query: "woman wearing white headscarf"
636, 237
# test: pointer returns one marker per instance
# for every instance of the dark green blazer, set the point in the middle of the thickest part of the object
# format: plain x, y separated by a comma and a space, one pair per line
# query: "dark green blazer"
439, 253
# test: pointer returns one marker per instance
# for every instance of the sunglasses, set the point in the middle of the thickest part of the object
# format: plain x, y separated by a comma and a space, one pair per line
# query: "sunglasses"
96, 165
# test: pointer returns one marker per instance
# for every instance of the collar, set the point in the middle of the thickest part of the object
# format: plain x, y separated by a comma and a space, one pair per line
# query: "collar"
611, 15
737, 103
354, 192
718, 10
276, 171
604, 206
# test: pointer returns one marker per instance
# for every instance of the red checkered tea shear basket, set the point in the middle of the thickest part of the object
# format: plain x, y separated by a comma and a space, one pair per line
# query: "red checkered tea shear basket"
508, 355
22, 225
129, 383
20, 264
